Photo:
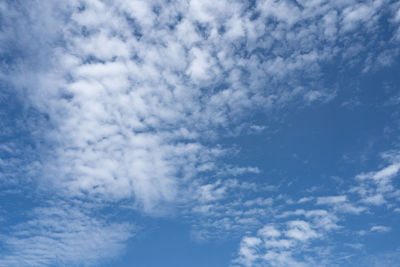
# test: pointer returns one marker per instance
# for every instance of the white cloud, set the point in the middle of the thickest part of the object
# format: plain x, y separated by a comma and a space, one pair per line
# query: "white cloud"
131, 90
376, 188
63, 235
376, 200
300, 230
214, 214
286, 243
340, 204
386, 173
305, 199
380, 228
357, 14
235, 171
134, 91
269, 231
248, 250
331, 200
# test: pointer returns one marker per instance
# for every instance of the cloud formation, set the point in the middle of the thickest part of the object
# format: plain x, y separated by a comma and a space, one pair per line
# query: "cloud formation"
134, 98
63, 234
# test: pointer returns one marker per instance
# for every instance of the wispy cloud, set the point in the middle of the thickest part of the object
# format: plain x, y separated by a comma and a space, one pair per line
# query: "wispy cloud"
376, 187
63, 234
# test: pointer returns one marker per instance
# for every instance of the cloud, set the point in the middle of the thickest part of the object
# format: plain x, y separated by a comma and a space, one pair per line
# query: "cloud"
63, 235
304, 199
340, 204
380, 228
331, 200
235, 171
128, 106
386, 173
214, 214
290, 241
301, 237
376, 187
300, 230
138, 95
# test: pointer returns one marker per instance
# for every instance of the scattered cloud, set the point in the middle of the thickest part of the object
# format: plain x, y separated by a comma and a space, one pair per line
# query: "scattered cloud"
131, 101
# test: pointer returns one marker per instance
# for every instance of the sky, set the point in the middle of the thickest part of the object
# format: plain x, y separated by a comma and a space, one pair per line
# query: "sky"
200, 133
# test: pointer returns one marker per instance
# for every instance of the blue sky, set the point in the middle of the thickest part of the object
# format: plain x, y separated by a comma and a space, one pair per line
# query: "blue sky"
199, 133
